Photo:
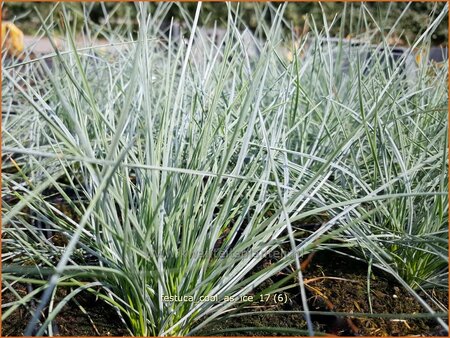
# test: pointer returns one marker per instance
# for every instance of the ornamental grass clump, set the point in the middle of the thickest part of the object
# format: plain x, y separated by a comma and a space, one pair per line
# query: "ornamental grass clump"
385, 122
160, 181
152, 154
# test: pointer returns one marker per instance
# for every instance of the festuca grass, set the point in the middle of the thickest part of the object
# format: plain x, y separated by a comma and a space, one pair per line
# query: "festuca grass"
186, 156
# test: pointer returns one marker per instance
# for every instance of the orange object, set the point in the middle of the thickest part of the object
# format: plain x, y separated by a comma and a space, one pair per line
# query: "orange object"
12, 39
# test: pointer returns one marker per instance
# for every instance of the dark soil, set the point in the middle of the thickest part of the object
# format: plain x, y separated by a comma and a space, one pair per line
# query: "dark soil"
339, 283
333, 282
97, 319
349, 294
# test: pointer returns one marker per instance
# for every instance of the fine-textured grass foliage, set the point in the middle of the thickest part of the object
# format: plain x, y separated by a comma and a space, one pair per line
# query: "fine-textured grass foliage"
390, 132
170, 166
